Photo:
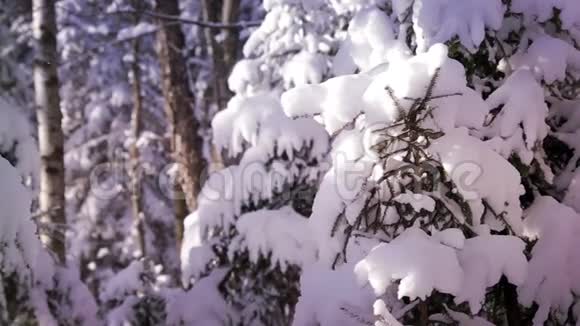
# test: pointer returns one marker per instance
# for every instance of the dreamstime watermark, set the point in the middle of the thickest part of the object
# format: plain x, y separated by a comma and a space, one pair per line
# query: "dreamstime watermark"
346, 175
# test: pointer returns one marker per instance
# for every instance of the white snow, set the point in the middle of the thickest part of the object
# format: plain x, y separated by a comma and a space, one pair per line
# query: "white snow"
323, 292
337, 100
386, 318
422, 265
572, 197
436, 21
474, 169
462, 319
484, 259
450, 237
369, 39
138, 30
123, 283
417, 201
463, 268
282, 233
259, 120
304, 68
201, 305
548, 58
521, 121
542, 10
245, 75
554, 270
16, 135
17, 231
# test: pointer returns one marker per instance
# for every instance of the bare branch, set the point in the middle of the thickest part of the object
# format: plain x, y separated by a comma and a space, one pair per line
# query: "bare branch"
204, 24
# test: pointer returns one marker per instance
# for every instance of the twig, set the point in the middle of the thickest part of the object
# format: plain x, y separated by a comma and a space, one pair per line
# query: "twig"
356, 316
204, 24
349, 124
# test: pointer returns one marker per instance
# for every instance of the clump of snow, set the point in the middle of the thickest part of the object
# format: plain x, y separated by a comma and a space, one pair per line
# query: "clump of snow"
474, 169
548, 58
386, 318
554, 270
417, 201
456, 104
572, 197
259, 119
369, 39
245, 76
24, 261
16, 140
338, 189
280, 234
450, 237
543, 10
422, 265
80, 304
484, 259
451, 317
123, 283
138, 30
239, 123
195, 253
520, 124
336, 100
20, 246
308, 4
304, 68
437, 21
323, 292
200, 305
345, 6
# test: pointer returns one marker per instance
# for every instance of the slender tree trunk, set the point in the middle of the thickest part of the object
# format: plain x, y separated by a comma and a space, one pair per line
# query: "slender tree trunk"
211, 13
50, 135
186, 143
513, 313
423, 313
136, 127
223, 56
215, 93
230, 14
180, 209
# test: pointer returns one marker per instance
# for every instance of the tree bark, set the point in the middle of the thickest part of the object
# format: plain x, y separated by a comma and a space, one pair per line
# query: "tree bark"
230, 14
180, 210
136, 128
423, 313
50, 135
186, 143
224, 54
512, 307
210, 13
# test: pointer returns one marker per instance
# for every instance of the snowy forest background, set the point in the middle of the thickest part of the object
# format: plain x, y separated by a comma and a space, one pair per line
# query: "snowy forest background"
290, 162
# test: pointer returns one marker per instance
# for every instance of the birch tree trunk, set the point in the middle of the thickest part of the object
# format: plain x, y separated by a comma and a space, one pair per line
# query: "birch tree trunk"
50, 133
186, 143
